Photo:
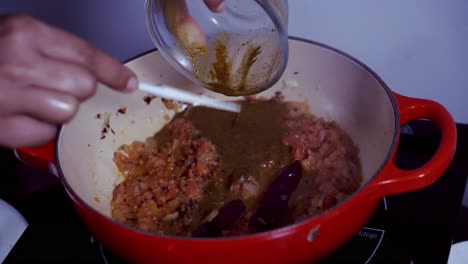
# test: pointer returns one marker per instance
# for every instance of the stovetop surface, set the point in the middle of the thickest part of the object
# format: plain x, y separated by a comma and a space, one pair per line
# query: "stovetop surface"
415, 227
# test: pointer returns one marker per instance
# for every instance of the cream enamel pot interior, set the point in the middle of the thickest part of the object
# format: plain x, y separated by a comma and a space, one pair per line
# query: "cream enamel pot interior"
336, 86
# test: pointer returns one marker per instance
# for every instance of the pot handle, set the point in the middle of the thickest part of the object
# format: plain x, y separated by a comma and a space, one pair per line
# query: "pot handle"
396, 180
42, 157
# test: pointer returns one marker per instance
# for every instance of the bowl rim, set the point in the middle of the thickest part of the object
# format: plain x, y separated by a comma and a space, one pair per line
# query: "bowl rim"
283, 229
282, 32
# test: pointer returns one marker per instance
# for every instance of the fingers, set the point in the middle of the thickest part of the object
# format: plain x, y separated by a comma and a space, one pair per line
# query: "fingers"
191, 36
22, 131
215, 5
187, 31
60, 45
44, 74
43, 104
174, 12
68, 78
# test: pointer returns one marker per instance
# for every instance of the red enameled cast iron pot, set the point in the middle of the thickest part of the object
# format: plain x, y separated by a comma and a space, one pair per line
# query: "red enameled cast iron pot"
337, 87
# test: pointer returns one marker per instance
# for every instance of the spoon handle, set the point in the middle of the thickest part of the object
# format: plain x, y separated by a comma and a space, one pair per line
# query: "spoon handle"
179, 95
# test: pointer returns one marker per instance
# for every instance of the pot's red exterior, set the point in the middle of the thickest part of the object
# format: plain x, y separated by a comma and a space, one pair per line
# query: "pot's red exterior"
301, 243
304, 242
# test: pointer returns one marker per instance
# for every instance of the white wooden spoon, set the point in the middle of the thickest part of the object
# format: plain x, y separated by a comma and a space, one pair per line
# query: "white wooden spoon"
182, 96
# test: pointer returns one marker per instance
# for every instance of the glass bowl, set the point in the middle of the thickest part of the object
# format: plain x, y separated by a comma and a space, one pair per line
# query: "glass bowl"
239, 51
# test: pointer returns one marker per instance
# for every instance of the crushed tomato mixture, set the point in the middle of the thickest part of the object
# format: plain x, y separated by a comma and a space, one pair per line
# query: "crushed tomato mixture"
178, 181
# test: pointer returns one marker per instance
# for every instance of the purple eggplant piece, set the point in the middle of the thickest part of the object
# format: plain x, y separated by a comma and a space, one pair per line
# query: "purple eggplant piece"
226, 217
274, 203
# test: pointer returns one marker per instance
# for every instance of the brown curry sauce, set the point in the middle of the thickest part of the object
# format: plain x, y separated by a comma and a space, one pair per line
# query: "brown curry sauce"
248, 144
255, 144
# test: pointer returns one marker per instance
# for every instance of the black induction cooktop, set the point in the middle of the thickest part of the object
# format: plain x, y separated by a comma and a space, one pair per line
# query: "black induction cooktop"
416, 227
